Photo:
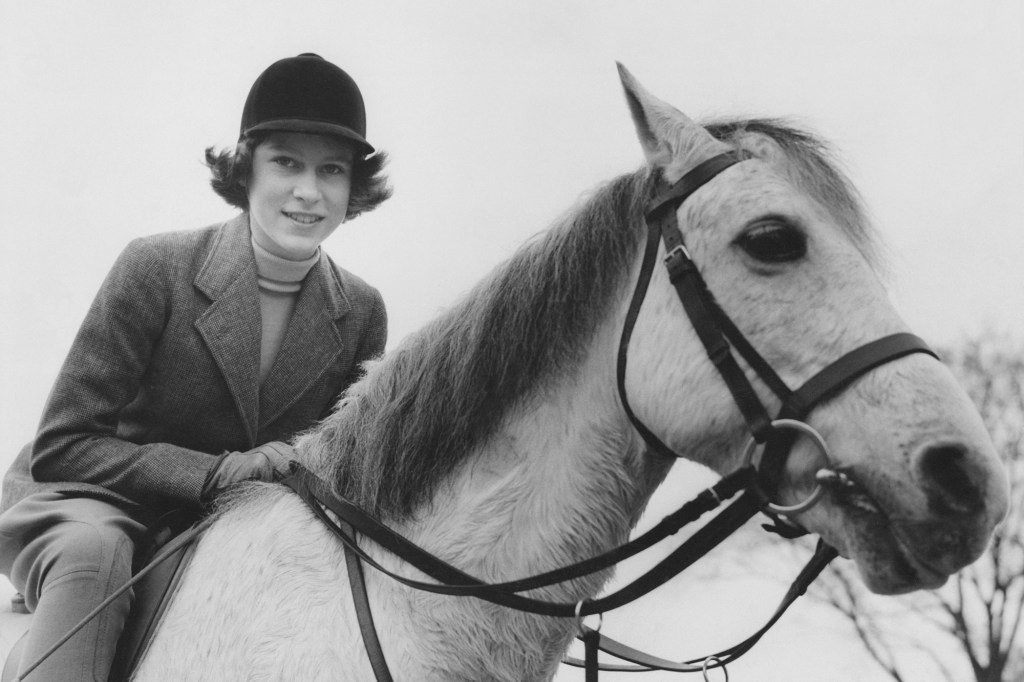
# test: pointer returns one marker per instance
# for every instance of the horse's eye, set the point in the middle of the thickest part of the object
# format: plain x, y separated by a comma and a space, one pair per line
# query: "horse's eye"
774, 241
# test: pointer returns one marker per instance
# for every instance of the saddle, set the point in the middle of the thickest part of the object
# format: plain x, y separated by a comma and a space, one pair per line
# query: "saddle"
153, 593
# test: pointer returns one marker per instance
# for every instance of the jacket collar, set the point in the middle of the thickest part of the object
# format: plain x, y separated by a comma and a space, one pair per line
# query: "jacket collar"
231, 261
231, 327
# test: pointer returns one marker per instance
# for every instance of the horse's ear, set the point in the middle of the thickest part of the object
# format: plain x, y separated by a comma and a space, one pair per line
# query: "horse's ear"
670, 140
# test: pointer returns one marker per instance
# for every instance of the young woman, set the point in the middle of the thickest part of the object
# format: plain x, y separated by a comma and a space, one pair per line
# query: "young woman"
202, 355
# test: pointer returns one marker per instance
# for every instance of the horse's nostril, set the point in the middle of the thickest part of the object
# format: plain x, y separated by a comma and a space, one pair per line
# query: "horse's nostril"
946, 476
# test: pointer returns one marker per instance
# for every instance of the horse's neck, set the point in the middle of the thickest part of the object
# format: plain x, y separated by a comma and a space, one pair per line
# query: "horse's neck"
558, 480
561, 481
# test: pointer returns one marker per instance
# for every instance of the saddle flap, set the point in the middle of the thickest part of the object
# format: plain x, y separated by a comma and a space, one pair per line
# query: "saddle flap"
152, 595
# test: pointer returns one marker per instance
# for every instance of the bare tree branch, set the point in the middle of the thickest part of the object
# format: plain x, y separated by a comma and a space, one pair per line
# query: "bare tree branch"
981, 611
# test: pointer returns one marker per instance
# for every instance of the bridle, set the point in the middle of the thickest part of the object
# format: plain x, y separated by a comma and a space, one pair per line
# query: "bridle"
754, 485
720, 337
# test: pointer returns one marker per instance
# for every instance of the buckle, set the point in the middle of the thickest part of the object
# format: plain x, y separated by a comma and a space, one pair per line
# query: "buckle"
678, 263
679, 250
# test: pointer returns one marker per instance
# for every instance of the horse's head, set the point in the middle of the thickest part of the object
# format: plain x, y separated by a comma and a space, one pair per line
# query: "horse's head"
784, 248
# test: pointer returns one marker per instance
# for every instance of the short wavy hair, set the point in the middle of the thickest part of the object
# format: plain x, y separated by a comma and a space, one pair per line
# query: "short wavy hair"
232, 168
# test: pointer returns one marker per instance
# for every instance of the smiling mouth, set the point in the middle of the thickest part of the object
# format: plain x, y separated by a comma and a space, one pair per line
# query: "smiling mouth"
303, 218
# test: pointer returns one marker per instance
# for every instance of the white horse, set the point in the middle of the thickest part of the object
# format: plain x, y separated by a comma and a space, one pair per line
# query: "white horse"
495, 438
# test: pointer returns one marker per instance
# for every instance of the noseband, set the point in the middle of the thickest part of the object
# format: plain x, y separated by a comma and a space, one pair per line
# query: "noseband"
721, 338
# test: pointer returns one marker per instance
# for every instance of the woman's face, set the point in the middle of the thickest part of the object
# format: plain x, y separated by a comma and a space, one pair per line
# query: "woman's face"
298, 192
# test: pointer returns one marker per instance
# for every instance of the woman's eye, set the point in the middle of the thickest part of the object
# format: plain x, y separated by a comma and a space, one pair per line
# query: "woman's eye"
333, 169
285, 161
774, 242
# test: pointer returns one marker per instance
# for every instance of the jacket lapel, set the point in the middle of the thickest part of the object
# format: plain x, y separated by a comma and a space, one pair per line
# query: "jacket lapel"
311, 344
231, 326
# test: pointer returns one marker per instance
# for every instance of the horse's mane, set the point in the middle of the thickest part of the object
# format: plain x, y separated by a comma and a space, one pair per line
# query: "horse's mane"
415, 416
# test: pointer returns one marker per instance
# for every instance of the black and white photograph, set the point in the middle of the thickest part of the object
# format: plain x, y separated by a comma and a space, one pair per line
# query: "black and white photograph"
550, 340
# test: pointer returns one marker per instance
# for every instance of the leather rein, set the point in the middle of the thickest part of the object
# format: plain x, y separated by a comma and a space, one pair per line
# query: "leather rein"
751, 486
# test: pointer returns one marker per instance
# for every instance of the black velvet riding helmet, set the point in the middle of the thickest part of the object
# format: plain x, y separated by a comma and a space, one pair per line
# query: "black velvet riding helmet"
307, 94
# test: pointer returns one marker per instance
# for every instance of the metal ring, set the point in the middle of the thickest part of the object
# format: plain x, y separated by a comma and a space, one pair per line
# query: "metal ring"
815, 437
579, 619
707, 664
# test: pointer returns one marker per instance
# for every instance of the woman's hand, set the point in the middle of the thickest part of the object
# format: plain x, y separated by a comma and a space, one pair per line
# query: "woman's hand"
269, 462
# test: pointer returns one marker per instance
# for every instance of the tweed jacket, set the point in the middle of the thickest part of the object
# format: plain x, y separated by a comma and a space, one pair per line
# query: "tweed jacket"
163, 375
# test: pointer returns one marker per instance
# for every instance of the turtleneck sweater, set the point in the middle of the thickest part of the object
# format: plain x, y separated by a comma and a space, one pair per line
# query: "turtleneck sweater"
280, 281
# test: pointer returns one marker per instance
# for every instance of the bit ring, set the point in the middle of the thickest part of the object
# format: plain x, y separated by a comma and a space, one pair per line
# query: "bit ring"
818, 441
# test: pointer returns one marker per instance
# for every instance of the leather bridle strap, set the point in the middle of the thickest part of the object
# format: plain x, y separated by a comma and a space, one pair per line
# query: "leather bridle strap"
720, 336
639, 293
822, 386
712, 326
644, 662
454, 582
364, 615
841, 373
715, 329
458, 583
826, 384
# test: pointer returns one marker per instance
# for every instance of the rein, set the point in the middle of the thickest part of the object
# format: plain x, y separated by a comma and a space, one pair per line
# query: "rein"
721, 338
454, 582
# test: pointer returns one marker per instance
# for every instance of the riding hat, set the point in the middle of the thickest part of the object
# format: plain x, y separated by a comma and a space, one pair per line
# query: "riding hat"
307, 94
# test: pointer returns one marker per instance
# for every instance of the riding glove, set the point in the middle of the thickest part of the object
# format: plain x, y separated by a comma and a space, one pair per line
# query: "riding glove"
269, 462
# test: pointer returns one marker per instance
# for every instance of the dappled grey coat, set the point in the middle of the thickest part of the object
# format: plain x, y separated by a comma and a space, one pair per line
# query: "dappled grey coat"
164, 372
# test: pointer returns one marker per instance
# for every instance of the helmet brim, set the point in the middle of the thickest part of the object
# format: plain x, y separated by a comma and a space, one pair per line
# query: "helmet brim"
297, 125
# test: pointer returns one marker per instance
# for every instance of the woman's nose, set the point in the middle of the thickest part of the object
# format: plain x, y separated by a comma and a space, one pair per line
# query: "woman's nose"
306, 188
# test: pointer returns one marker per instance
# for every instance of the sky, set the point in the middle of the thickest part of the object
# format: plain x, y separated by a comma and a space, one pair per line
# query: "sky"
497, 117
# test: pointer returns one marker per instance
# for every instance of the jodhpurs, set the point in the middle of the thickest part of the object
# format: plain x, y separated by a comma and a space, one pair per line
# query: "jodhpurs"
65, 555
